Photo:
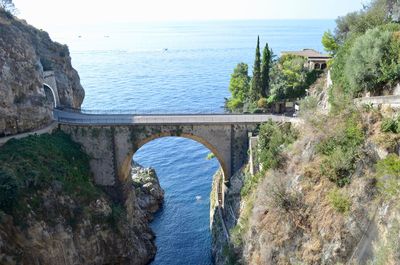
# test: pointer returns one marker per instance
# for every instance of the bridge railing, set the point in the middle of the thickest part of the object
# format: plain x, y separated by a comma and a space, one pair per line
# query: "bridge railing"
159, 112
212, 111
75, 118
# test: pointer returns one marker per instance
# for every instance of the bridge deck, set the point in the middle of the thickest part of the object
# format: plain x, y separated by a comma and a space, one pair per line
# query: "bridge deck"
65, 117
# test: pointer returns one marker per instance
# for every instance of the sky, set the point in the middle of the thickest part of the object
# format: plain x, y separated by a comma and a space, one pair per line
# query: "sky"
42, 13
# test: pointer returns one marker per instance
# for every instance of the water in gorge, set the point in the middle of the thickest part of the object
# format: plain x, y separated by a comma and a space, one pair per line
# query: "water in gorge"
176, 66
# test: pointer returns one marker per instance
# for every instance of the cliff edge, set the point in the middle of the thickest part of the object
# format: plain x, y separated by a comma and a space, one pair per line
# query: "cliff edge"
26, 53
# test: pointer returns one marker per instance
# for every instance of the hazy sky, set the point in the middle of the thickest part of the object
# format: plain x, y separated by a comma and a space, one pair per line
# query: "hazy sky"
43, 13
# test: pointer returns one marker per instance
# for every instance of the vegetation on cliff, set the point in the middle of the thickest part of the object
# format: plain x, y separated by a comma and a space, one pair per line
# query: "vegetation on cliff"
38, 162
366, 45
49, 203
328, 189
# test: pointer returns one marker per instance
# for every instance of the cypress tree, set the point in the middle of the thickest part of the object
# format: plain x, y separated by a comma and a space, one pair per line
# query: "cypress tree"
256, 85
265, 69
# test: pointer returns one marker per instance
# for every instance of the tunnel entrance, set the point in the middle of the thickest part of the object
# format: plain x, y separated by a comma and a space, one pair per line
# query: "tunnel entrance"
50, 96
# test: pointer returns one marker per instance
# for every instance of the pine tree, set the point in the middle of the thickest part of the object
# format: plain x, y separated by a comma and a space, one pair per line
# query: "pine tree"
256, 85
265, 69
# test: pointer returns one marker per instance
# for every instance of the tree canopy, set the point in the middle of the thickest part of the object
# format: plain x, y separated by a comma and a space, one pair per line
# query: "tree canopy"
367, 56
239, 86
8, 6
265, 70
256, 82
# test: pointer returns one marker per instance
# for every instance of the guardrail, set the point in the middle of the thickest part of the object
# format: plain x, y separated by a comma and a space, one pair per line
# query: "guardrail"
389, 100
213, 111
78, 117
173, 120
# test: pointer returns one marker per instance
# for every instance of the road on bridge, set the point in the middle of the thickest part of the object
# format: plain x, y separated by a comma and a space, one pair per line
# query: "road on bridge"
66, 117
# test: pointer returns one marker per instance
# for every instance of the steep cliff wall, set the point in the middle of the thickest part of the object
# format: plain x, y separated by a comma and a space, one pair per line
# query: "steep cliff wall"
25, 53
51, 213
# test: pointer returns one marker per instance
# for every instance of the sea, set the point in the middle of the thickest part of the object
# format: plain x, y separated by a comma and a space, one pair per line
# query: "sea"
176, 67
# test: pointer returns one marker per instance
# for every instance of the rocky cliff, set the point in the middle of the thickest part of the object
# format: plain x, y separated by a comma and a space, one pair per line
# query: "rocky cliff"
149, 193
331, 199
51, 213
25, 54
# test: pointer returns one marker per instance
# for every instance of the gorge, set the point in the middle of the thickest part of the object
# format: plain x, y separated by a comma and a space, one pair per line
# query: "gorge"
309, 193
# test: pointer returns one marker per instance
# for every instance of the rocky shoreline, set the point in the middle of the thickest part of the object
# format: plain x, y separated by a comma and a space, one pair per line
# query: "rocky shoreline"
149, 193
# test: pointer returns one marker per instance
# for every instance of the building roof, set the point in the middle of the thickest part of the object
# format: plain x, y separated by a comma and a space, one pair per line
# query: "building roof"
308, 53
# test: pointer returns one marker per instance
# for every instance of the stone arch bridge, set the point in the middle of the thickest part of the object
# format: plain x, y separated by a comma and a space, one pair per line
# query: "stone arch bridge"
112, 139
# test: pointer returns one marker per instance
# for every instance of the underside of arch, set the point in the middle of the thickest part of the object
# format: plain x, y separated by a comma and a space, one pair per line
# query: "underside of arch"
198, 139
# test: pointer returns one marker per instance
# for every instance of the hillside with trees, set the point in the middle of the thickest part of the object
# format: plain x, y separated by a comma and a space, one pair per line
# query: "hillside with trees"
327, 190
273, 80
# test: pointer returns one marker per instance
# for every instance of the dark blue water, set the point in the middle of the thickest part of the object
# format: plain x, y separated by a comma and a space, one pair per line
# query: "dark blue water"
125, 66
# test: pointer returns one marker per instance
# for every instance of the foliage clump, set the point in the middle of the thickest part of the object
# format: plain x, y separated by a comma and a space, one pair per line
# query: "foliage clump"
239, 86
38, 162
366, 46
273, 138
8, 6
9, 190
284, 199
272, 81
339, 201
391, 125
388, 174
373, 61
341, 150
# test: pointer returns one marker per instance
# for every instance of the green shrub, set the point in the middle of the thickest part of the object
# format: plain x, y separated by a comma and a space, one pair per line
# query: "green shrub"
233, 104
290, 78
210, 156
239, 87
9, 189
341, 151
368, 62
338, 167
250, 182
389, 125
388, 174
284, 199
273, 138
262, 103
389, 166
339, 201
35, 162
308, 104
116, 215
363, 68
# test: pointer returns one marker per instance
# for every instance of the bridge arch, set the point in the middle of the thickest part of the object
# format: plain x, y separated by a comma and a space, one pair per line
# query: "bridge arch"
195, 138
111, 147
49, 88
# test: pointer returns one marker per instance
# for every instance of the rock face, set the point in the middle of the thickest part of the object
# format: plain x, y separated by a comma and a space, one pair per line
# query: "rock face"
25, 53
222, 250
149, 193
296, 215
65, 231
